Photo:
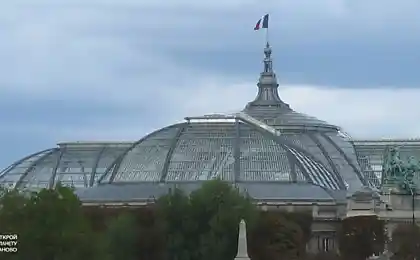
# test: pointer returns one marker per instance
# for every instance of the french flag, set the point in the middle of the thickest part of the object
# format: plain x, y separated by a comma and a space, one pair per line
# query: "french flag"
262, 23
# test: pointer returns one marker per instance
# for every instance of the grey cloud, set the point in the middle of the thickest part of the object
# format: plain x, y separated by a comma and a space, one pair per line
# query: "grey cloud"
80, 44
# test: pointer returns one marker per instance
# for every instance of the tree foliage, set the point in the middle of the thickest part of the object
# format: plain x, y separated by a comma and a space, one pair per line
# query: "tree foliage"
276, 237
110, 225
361, 237
217, 208
204, 225
49, 224
405, 242
121, 238
324, 256
152, 243
304, 221
174, 213
201, 225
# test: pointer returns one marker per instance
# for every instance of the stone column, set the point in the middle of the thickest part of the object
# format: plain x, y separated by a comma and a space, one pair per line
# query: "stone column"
242, 253
290, 207
315, 210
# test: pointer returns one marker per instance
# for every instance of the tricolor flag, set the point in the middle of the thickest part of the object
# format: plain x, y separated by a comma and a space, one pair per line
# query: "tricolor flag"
262, 23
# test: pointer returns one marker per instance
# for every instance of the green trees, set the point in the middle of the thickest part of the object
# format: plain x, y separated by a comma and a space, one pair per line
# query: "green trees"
405, 243
217, 208
121, 238
151, 243
324, 256
174, 213
127, 233
49, 225
204, 225
276, 237
361, 237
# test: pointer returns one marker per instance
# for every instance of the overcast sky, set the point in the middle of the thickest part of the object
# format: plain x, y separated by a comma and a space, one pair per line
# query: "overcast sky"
117, 69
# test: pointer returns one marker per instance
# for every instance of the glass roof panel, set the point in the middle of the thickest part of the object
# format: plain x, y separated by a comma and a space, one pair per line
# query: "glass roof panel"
145, 161
262, 159
14, 174
370, 169
317, 172
299, 175
203, 152
278, 116
75, 166
41, 173
343, 167
306, 143
346, 147
108, 157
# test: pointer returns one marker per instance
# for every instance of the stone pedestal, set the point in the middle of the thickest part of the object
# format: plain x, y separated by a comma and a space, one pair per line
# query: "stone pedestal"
401, 201
242, 253
364, 202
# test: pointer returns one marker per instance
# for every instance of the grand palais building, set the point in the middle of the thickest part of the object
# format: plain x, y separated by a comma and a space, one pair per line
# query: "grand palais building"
284, 159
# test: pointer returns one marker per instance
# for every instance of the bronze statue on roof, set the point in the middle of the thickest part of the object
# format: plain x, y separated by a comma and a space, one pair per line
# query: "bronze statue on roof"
402, 175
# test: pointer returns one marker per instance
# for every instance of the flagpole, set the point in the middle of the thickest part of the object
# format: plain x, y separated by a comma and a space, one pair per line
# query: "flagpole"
266, 35
266, 30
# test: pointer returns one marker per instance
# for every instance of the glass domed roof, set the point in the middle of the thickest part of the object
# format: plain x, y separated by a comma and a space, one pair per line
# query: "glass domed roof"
267, 145
235, 152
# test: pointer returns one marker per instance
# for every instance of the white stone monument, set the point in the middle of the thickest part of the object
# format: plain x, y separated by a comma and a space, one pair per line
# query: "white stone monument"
242, 253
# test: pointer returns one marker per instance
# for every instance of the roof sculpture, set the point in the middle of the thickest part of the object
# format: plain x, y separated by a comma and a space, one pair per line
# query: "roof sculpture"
372, 154
267, 148
400, 176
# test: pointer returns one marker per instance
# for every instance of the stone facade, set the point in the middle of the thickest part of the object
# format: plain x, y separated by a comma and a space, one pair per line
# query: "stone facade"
392, 208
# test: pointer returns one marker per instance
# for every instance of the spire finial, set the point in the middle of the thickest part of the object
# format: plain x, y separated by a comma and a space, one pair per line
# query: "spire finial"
268, 63
268, 95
